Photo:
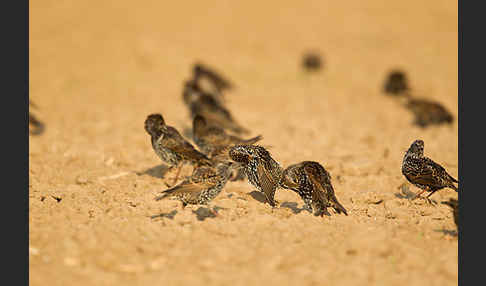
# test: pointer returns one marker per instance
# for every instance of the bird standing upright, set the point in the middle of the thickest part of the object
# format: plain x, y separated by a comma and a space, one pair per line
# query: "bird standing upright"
170, 146
425, 173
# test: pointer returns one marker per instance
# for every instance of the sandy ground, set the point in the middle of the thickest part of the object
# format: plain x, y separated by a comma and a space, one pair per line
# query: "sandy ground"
98, 68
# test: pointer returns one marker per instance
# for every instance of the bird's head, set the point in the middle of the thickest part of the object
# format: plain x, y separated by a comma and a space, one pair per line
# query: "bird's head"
154, 124
417, 147
242, 153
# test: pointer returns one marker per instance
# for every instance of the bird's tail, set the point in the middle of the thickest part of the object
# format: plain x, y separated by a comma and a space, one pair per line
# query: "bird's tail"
453, 179
454, 187
167, 193
338, 207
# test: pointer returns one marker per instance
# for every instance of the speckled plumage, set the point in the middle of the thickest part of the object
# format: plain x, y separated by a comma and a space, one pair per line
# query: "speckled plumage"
428, 112
396, 83
170, 146
312, 183
425, 173
454, 204
202, 187
207, 105
262, 170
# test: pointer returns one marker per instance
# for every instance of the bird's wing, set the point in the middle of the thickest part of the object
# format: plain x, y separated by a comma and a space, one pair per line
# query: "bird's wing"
319, 191
439, 170
288, 183
189, 188
178, 144
323, 190
428, 174
266, 183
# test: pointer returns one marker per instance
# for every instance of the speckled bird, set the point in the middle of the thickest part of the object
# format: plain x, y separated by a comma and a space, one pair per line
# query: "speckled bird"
202, 187
208, 106
454, 204
262, 170
170, 146
428, 112
396, 83
425, 173
312, 183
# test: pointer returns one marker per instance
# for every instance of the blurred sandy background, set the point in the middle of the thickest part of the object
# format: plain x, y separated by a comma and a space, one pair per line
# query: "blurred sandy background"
98, 68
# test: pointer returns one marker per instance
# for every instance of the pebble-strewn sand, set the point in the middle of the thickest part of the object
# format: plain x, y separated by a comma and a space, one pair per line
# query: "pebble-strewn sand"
98, 68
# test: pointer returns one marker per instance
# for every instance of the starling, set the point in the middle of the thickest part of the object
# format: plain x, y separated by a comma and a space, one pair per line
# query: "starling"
396, 83
428, 112
425, 173
454, 204
262, 170
220, 83
212, 140
313, 184
170, 146
208, 106
202, 187
37, 126
312, 62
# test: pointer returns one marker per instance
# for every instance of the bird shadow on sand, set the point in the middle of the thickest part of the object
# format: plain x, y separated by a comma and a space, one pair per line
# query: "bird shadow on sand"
292, 206
158, 171
258, 196
448, 232
170, 215
203, 213
412, 197
404, 192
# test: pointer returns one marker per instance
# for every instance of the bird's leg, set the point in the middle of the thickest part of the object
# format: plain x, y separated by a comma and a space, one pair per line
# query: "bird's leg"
211, 210
431, 193
429, 200
177, 175
420, 193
